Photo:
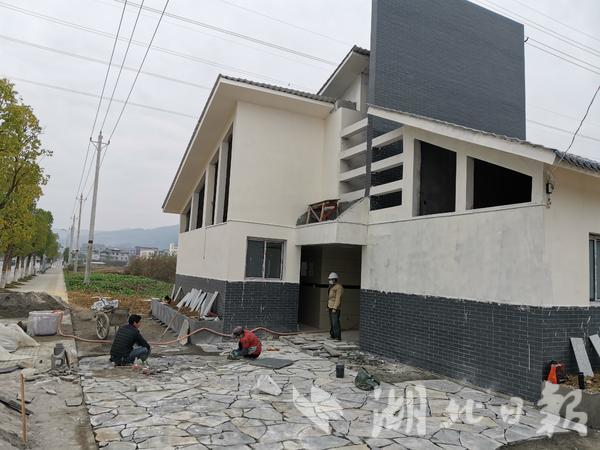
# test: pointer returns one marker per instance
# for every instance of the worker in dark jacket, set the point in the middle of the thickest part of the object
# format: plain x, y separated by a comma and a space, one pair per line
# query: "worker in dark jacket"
122, 351
249, 345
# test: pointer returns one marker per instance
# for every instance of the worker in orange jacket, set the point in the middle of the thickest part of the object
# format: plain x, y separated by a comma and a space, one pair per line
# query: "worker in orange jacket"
249, 345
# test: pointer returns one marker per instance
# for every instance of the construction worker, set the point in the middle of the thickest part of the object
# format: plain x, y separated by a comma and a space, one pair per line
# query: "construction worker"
249, 345
334, 303
122, 351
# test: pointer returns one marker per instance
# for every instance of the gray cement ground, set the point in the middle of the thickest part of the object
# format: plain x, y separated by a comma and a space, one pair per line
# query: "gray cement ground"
52, 282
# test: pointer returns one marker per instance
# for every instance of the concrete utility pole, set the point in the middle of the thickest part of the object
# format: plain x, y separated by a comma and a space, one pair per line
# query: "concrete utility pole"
78, 229
90, 247
70, 259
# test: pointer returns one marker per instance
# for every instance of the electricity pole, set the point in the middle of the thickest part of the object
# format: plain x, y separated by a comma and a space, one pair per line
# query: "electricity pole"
70, 259
78, 229
90, 247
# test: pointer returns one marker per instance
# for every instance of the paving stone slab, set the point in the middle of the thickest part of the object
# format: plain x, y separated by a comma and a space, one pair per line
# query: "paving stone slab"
583, 361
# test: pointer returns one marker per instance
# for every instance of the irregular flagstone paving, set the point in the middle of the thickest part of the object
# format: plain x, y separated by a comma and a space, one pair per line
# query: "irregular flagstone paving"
195, 403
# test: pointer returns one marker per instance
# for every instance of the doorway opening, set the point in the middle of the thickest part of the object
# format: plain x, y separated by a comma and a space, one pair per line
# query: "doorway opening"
317, 262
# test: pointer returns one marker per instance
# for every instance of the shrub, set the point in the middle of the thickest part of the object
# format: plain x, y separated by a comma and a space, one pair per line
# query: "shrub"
161, 267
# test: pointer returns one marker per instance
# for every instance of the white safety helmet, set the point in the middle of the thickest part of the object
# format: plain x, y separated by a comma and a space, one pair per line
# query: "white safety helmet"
333, 276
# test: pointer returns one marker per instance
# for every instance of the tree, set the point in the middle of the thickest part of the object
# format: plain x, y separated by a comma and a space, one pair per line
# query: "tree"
21, 177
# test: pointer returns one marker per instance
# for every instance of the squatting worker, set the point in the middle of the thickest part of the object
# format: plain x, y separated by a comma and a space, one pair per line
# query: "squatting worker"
122, 351
333, 304
249, 345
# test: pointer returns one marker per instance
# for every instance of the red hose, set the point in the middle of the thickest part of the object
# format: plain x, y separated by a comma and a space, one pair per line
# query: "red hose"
159, 343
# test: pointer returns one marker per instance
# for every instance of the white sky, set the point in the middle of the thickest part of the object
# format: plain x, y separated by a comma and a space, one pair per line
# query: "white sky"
147, 146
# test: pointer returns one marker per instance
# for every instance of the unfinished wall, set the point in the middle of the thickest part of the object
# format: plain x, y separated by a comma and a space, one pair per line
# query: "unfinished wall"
572, 217
496, 255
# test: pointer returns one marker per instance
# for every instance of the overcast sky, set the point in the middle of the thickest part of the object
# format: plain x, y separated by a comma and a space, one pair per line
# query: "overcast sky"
148, 144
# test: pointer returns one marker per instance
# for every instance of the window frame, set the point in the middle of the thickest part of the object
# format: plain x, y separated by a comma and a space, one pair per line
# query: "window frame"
594, 269
264, 260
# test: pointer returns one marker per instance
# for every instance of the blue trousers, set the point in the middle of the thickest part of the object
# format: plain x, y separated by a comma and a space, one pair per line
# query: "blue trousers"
138, 352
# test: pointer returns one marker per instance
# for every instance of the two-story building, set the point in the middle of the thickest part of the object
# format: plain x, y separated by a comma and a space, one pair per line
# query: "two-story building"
463, 248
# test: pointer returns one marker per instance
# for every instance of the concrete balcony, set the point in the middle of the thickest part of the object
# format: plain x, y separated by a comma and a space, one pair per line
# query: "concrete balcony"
353, 175
351, 152
388, 138
388, 188
351, 196
388, 163
354, 128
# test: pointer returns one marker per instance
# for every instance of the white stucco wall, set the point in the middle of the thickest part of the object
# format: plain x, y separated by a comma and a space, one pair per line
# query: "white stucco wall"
489, 256
572, 217
219, 251
275, 169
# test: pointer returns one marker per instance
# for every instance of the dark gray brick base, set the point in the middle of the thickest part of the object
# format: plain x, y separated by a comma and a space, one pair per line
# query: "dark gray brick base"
250, 303
503, 347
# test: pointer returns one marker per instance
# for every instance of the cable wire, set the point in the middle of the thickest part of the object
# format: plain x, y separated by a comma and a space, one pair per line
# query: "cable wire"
566, 39
100, 61
560, 57
258, 13
143, 44
238, 35
122, 64
587, 111
138, 72
112, 53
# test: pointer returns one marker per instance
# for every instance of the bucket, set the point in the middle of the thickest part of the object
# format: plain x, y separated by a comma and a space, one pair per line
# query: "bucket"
339, 370
43, 323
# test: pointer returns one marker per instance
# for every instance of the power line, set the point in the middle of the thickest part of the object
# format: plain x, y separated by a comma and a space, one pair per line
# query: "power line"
237, 35
89, 94
100, 61
138, 72
258, 13
562, 130
555, 34
122, 64
587, 111
556, 20
596, 124
112, 53
143, 44
219, 36
563, 53
573, 42
560, 57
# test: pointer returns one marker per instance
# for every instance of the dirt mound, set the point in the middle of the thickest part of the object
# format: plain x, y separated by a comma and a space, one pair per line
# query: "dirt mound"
19, 304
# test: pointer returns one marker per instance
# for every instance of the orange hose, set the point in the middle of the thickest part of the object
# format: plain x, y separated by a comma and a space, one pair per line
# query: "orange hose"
159, 343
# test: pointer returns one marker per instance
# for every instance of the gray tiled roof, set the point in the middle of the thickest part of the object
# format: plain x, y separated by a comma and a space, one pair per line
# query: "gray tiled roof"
320, 98
569, 158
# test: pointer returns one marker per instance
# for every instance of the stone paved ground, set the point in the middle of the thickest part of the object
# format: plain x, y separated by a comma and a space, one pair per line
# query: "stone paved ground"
197, 403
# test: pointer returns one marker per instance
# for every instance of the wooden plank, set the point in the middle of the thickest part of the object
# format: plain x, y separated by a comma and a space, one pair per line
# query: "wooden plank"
583, 361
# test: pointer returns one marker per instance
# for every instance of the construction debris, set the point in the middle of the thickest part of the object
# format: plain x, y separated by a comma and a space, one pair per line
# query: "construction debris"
20, 304
583, 361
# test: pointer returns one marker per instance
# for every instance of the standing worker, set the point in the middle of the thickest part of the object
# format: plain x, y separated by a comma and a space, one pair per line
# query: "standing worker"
334, 303
249, 345
122, 351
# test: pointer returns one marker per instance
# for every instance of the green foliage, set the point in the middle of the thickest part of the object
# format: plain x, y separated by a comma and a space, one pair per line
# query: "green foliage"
161, 267
21, 177
115, 285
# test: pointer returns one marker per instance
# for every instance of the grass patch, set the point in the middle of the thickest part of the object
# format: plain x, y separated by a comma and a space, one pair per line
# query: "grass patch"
117, 285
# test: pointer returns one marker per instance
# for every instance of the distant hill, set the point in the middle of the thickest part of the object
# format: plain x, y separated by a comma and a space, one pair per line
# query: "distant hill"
128, 238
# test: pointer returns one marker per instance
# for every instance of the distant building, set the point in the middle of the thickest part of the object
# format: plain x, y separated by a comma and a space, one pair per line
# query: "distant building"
172, 249
139, 250
111, 255
148, 253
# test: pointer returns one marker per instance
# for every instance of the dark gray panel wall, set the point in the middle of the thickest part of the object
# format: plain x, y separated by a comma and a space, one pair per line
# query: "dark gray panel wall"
503, 347
450, 60
250, 303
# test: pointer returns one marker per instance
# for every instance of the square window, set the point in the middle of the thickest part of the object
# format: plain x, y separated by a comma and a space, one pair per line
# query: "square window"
264, 259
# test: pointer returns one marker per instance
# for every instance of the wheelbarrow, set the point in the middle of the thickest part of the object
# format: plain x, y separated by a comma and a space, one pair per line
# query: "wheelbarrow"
108, 315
